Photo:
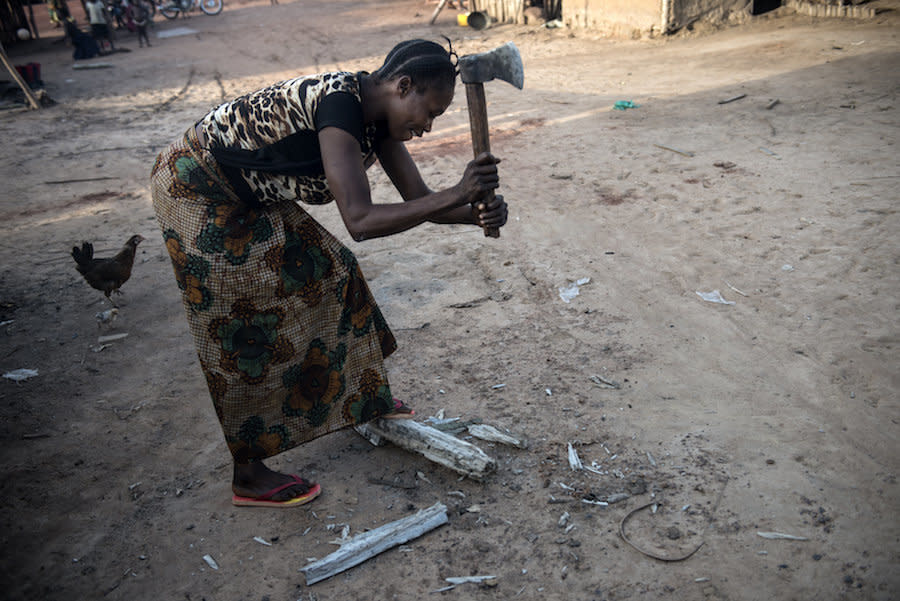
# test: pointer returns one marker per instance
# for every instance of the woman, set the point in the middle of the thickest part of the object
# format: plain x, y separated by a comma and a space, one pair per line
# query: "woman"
289, 337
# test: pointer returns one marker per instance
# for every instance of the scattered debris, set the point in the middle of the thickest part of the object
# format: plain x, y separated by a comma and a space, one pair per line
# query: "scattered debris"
622, 105
651, 553
262, 541
686, 153
79, 66
726, 165
769, 152
106, 317
780, 536
732, 99
772, 104
369, 544
714, 297
591, 502
453, 425
733, 288
605, 383
80, 180
465, 579
18, 375
111, 338
492, 434
574, 460
211, 562
570, 291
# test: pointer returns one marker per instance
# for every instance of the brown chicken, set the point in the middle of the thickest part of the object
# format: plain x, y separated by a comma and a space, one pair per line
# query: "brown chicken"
106, 275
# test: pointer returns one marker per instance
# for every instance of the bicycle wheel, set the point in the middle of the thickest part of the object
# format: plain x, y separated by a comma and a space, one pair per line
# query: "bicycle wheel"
211, 7
169, 10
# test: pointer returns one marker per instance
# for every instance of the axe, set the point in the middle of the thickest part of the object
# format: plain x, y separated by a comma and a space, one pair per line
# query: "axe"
474, 69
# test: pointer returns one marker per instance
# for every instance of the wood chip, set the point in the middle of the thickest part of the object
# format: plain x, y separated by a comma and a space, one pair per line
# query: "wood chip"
780, 536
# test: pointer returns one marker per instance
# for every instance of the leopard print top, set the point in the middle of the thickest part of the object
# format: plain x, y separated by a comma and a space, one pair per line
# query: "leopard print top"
267, 141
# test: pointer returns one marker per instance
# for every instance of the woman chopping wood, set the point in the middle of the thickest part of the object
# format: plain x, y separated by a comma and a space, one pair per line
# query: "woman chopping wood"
289, 337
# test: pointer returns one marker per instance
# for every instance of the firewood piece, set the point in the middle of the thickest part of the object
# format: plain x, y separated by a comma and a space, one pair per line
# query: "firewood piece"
460, 456
364, 546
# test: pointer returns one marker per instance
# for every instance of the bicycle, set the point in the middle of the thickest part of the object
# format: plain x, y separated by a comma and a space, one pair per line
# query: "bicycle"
173, 8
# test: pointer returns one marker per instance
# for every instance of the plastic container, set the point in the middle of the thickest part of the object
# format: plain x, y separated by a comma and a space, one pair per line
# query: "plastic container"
475, 20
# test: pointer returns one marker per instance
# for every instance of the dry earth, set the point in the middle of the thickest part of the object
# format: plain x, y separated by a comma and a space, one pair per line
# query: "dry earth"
776, 413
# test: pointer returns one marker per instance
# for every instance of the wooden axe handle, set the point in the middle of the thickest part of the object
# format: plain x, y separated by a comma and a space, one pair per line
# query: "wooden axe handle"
481, 141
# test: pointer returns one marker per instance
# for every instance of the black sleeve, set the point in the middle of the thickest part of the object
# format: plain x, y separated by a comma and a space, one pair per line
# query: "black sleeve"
342, 110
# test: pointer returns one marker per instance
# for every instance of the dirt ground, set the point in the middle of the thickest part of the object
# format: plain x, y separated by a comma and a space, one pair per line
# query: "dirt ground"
777, 413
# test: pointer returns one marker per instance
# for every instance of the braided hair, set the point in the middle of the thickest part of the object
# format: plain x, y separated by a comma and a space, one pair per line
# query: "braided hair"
426, 63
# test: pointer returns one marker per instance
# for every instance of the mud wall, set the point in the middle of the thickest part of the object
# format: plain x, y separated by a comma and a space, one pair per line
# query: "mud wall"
639, 17
685, 12
617, 16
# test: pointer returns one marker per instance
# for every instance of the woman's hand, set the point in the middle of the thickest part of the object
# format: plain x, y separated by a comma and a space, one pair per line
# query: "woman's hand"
479, 178
490, 214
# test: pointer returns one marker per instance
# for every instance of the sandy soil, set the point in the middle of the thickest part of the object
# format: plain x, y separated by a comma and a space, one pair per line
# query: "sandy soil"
778, 412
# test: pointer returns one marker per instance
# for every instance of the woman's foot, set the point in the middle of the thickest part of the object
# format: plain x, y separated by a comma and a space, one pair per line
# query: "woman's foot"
254, 484
401, 411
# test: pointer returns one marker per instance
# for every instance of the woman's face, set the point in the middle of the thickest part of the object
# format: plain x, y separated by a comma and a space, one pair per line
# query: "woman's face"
412, 112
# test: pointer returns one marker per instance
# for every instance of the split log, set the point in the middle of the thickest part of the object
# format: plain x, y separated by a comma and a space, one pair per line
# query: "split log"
460, 456
363, 546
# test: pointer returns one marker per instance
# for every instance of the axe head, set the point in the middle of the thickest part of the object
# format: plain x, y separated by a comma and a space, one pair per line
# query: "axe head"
500, 63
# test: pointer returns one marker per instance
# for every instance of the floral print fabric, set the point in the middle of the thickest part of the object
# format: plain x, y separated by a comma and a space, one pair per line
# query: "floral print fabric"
288, 334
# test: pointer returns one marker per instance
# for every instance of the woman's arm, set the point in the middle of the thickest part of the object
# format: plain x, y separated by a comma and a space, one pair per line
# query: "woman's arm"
401, 169
348, 182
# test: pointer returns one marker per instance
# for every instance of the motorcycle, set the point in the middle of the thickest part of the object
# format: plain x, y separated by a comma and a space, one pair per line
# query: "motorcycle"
172, 8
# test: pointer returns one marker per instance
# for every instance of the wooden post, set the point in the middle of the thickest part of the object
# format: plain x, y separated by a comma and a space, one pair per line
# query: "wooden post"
437, 11
32, 99
34, 28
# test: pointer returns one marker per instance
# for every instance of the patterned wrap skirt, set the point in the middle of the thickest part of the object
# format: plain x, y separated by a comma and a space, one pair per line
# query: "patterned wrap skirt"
288, 334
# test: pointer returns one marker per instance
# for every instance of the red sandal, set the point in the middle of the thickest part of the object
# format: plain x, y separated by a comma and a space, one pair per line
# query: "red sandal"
265, 499
401, 411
